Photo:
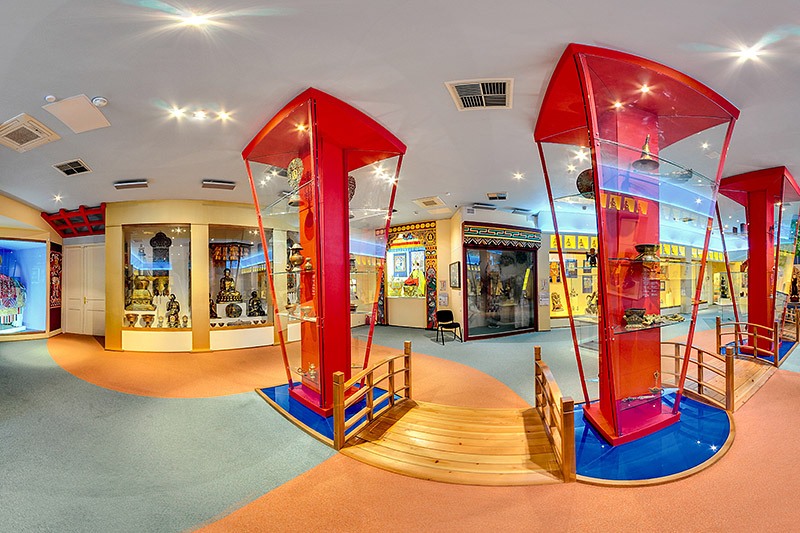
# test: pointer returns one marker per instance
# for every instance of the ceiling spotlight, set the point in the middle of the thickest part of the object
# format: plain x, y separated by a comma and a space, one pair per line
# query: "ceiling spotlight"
223, 115
176, 113
748, 53
57, 198
100, 101
192, 19
704, 146
617, 105
200, 115
645, 89
519, 176
50, 98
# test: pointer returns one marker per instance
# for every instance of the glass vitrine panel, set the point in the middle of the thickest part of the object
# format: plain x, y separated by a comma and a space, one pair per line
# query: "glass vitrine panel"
157, 277
23, 286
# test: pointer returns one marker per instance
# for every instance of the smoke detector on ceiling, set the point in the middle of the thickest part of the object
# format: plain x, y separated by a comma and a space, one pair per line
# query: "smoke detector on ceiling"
481, 94
23, 133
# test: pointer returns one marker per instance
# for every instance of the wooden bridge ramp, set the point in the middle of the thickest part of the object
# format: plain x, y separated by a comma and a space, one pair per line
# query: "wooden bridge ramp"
459, 445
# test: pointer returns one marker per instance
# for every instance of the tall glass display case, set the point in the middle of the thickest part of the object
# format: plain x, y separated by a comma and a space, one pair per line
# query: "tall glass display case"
771, 200
632, 151
323, 177
157, 262
237, 271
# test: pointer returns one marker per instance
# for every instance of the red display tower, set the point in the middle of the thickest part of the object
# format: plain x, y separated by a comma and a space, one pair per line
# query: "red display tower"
771, 198
323, 177
633, 151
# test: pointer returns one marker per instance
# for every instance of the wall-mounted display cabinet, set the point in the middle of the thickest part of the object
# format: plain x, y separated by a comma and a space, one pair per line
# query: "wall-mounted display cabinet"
24, 284
633, 152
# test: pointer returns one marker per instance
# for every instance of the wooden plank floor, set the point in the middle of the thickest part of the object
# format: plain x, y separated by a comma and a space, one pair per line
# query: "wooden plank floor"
459, 445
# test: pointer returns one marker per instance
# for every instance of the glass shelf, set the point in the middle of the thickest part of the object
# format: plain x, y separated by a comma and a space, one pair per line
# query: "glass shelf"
621, 330
295, 318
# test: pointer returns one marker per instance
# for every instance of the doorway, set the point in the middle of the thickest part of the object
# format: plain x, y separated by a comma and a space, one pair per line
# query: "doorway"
84, 289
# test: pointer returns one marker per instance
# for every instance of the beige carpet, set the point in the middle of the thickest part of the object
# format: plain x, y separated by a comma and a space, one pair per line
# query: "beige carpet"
752, 488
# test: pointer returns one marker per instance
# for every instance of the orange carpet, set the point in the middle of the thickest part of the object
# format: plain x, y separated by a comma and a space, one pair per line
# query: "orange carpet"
208, 374
748, 490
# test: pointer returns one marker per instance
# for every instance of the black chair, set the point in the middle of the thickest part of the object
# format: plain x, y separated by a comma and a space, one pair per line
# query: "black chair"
444, 320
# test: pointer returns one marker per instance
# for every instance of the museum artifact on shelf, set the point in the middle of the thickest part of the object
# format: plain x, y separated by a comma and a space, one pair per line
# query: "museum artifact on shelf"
318, 150
647, 132
156, 270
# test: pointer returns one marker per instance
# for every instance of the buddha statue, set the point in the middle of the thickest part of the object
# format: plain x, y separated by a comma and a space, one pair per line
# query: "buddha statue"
173, 311
141, 297
227, 289
254, 307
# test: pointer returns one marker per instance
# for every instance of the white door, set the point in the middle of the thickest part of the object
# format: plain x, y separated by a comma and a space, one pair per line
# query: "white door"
84, 289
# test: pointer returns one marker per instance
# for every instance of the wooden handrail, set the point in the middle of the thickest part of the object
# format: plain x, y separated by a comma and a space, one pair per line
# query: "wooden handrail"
701, 363
558, 416
753, 333
343, 425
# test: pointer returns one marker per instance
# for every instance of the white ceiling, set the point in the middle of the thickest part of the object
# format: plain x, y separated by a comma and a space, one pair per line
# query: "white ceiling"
390, 59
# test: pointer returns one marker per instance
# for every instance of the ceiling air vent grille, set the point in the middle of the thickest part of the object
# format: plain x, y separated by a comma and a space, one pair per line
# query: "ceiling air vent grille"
494, 196
429, 202
23, 133
481, 94
70, 168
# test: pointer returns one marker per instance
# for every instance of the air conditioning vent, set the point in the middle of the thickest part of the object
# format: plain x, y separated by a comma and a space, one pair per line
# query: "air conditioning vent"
23, 133
520, 211
219, 184
70, 168
130, 184
430, 202
494, 196
481, 94
486, 207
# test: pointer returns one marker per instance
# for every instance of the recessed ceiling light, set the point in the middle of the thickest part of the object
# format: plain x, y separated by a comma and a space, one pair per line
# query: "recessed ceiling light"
571, 168
193, 19
223, 115
519, 176
57, 198
704, 146
177, 113
617, 104
746, 53
200, 114
50, 98
645, 89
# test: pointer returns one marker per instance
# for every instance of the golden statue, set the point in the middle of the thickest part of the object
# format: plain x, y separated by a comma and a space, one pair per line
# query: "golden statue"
227, 288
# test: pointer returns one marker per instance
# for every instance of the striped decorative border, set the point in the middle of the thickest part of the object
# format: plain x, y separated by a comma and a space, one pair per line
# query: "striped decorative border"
485, 235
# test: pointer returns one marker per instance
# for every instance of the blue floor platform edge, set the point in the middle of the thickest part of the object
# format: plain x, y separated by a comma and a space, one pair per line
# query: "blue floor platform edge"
308, 418
697, 437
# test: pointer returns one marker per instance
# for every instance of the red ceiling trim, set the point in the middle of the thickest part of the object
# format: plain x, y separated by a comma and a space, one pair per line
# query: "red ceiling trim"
78, 222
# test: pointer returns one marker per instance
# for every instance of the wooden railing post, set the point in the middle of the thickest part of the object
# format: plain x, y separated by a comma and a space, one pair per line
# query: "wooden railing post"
700, 372
776, 344
407, 368
719, 336
370, 396
391, 382
737, 337
568, 439
796, 326
338, 410
676, 361
730, 390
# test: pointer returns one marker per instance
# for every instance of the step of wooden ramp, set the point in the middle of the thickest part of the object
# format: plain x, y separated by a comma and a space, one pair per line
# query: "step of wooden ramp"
459, 445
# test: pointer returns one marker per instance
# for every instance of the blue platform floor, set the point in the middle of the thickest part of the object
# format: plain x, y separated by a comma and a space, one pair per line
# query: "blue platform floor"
696, 438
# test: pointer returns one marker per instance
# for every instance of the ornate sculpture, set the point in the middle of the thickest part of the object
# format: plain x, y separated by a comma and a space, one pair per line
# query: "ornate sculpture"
212, 308
141, 298
254, 307
173, 311
227, 288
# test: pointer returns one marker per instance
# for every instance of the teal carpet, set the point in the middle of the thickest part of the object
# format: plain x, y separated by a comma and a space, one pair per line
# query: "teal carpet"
77, 457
